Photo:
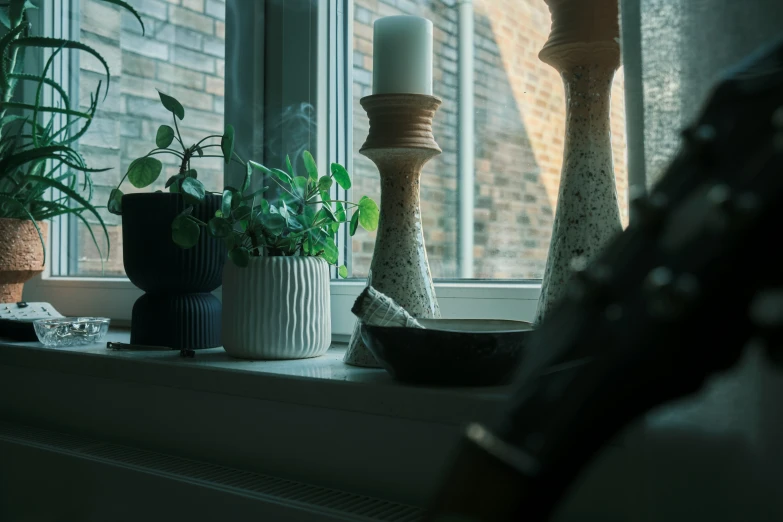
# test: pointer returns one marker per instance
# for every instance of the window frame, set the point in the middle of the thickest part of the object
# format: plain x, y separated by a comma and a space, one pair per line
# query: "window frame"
467, 298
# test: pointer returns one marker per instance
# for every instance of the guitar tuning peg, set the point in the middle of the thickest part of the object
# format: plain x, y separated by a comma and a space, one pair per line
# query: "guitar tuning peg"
670, 296
766, 313
648, 210
777, 118
719, 195
659, 278
700, 136
586, 280
766, 309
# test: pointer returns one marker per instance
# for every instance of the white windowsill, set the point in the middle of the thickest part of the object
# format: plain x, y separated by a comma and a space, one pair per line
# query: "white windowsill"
316, 420
114, 298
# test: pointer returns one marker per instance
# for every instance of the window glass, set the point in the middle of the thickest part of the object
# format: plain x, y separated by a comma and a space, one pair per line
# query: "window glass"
518, 107
519, 112
182, 54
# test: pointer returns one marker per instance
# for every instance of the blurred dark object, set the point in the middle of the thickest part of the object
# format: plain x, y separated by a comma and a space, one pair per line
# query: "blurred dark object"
450, 352
658, 312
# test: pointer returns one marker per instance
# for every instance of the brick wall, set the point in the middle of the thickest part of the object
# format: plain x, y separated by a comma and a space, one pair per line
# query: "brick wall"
519, 118
182, 55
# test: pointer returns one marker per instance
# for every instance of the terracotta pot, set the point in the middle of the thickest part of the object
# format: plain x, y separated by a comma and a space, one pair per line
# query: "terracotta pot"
277, 308
177, 310
21, 256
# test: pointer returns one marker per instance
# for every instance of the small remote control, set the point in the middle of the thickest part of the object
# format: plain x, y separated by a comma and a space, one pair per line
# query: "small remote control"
16, 319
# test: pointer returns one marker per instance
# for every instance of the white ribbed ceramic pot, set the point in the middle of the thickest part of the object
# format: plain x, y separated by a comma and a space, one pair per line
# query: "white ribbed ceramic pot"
277, 308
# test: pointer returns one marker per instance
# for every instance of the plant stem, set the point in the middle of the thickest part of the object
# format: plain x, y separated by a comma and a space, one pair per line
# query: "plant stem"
179, 136
205, 139
165, 151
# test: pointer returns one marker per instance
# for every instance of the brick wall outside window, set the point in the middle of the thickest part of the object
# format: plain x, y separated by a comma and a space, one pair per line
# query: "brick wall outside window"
519, 128
182, 54
519, 118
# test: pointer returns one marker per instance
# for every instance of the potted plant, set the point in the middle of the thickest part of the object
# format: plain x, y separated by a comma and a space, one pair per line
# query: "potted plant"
162, 253
276, 302
41, 173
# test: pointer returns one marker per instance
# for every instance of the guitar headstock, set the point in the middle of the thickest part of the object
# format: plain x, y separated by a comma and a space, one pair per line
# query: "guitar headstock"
669, 302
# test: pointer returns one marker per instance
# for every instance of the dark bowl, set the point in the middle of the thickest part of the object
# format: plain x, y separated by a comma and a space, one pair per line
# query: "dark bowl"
450, 352
152, 261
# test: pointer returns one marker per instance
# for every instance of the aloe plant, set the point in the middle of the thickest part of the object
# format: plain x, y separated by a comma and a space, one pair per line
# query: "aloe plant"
36, 158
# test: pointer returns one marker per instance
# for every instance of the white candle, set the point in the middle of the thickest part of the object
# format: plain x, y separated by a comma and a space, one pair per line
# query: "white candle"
402, 55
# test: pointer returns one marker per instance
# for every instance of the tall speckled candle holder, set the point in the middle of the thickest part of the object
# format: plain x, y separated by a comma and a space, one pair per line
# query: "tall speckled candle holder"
583, 46
400, 142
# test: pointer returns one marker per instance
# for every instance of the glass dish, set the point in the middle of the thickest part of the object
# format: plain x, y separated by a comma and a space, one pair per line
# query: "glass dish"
71, 331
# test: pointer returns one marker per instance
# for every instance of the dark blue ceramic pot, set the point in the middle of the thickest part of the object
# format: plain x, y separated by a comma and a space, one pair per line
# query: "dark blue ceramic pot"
177, 310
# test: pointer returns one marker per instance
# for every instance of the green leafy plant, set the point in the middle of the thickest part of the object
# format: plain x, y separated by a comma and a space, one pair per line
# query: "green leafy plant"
302, 221
42, 175
144, 171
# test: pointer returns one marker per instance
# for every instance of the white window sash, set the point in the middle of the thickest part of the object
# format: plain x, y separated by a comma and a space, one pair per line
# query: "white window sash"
114, 297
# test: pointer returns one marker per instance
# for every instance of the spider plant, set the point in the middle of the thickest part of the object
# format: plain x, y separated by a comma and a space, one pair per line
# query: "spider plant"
42, 174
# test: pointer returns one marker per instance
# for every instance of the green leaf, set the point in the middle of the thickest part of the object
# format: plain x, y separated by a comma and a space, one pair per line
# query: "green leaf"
258, 166
368, 214
5, 41
173, 179
325, 199
339, 212
326, 243
326, 215
199, 150
246, 181
143, 172
115, 202
227, 143
219, 227
289, 166
300, 186
341, 176
282, 176
164, 137
225, 206
275, 223
242, 212
343, 271
59, 43
184, 231
240, 256
190, 173
4, 17
236, 199
172, 105
130, 9
193, 190
66, 101
324, 184
283, 210
51, 183
310, 165
354, 222
254, 194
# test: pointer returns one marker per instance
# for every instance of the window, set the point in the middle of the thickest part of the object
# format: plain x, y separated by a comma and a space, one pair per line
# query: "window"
296, 71
516, 143
181, 54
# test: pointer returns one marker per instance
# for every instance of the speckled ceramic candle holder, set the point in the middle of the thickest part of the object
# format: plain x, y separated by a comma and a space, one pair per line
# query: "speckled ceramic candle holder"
400, 142
583, 46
